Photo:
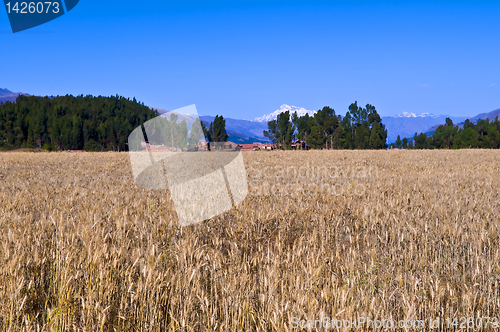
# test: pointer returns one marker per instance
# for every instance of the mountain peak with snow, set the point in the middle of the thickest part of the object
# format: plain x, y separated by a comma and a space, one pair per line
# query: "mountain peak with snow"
413, 115
272, 116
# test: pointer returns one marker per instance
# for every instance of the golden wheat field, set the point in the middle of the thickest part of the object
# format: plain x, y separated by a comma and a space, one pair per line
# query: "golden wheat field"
322, 235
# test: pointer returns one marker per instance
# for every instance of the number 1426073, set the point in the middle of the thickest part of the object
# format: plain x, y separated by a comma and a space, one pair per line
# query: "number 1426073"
33, 7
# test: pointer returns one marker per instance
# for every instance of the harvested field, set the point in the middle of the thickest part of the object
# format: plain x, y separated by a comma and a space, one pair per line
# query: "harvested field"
399, 235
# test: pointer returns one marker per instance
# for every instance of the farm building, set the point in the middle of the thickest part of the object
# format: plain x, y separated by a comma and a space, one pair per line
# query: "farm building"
226, 146
229, 146
159, 148
257, 146
299, 145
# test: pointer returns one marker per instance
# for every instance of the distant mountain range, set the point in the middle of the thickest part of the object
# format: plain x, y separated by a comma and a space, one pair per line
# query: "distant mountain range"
7, 95
413, 115
241, 131
405, 124
460, 124
245, 131
300, 112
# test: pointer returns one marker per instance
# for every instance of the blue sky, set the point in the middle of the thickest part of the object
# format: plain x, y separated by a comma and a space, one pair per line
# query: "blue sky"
243, 59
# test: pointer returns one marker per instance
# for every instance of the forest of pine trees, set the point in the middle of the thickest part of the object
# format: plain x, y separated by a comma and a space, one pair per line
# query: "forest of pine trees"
360, 128
70, 123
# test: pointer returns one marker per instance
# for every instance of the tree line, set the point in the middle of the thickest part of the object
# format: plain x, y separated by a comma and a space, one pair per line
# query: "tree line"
92, 124
71, 123
484, 135
360, 128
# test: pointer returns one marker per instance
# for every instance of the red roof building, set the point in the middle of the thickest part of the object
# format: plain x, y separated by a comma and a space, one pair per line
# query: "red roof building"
257, 146
299, 145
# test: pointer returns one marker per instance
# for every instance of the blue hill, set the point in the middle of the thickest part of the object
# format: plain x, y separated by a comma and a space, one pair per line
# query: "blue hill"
241, 131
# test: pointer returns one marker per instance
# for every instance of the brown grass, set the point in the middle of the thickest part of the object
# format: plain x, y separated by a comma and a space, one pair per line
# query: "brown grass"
82, 248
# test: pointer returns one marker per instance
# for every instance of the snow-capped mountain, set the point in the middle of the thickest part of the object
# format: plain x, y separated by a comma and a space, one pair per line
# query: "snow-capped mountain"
413, 115
407, 124
300, 112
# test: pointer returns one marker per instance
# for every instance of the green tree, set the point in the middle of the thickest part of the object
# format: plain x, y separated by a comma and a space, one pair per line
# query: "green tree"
272, 132
206, 132
449, 122
328, 122
218, 129
420, 141
362, 137
304, 125
280, 130
347, 140
315, 139
398, 142
77, 133
285, 129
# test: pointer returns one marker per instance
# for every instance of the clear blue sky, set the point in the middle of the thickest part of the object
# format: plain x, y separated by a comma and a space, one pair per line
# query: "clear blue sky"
243, 58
